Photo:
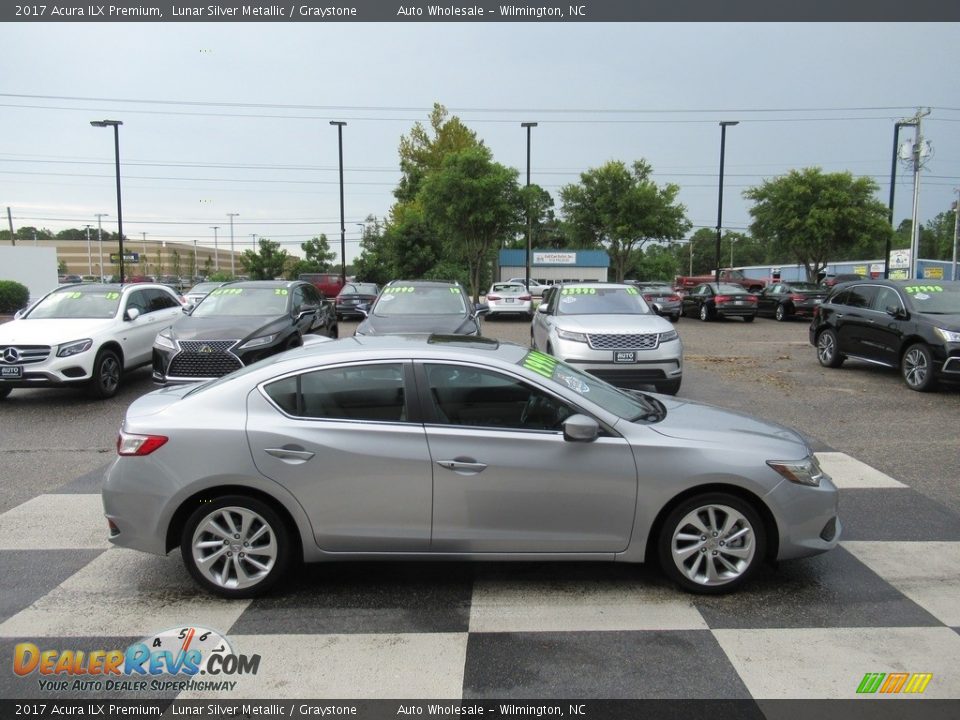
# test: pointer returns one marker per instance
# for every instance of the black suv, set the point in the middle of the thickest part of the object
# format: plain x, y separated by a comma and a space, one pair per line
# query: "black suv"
423, 306
913, 325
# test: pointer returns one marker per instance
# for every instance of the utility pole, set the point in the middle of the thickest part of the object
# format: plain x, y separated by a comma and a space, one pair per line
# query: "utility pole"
254, 236
956, 228
89, 258
143, 261
216, 251
13, 240
233, 269
915, 222
100, 217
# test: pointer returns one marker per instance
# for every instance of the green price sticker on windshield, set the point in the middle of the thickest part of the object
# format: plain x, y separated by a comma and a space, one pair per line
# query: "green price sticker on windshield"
540, 363
632, 291
578, 291
280, 291
404, 289
112, 296
75, 295
911, 289
227, 291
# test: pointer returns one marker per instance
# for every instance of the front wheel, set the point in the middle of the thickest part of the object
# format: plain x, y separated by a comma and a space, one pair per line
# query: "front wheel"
235, 546
4, 391
668, 387
917, 368
749, 318
780, 314
675, 318
105, 379
704, 313
712, 543
828, 350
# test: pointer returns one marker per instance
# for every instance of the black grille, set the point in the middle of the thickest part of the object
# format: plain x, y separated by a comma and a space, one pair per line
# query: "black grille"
645, 341
627, 378
25, 354
203, 364
199, 345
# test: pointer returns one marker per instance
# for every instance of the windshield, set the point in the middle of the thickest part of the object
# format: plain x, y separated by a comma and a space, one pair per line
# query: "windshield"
626, 404
243, 301
601, 301
805, 287
420, 300
939, 299
204, 287
508, 289
361, 289
80, 302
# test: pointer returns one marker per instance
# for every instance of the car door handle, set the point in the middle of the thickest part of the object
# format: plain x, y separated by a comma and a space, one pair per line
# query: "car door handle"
292, 455
462, 466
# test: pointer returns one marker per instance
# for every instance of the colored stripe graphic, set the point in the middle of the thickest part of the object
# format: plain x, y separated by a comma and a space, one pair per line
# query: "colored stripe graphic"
894, 682
870, 682
918, 682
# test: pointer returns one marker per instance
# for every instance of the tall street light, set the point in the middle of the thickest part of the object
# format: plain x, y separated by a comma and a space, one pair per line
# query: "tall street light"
343, 229
115, 124
89, 258
723, 141
145, 256
216, 250
100, 217
233, 269
528, 126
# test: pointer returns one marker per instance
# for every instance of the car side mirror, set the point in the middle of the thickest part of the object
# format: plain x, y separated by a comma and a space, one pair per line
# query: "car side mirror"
897, 312
657, 309
481, 308
306, 310
580, 428
542, 308
132, 314
363, 310
18, 314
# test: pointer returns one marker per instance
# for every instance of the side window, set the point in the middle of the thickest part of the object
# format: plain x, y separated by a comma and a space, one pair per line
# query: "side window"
297, 300
137, 299
481, 398
358, 392
886, 297
159, 300
861, 296
841, 298
311, 295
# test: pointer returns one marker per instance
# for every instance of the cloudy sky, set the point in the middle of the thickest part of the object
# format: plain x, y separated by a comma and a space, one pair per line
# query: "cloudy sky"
234, 117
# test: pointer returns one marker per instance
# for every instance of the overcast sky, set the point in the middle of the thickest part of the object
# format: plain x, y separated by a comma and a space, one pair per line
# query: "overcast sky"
234, 117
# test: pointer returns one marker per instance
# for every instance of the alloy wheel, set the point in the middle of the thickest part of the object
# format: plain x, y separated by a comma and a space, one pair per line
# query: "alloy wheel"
234, 548
713, 545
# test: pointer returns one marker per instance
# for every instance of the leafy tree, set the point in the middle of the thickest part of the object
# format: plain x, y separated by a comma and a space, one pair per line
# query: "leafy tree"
221, 276
546, 230
177, 264
208, 266
655, 262
474, 203
815, 217
622, 209
265, 264
318, 257
422, 152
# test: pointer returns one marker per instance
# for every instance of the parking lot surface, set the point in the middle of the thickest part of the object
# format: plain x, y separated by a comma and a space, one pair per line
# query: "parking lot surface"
884, 601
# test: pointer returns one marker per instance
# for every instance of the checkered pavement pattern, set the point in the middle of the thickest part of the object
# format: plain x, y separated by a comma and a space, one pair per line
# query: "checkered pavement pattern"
886, 600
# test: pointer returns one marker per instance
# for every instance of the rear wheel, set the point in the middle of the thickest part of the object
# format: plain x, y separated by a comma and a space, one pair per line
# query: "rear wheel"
828, 349
4, 391
105, 380
675, 318
780, 314
749, 318
917, 368
704, 313
712, 543
235, 546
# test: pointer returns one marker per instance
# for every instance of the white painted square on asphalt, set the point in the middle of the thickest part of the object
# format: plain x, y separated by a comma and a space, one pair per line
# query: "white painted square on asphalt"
849, 473
829, 663
54, 522
530, 606
380, 666
128, 593
926, 572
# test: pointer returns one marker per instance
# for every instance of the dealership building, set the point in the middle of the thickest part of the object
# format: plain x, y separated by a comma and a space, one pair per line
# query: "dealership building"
552, 266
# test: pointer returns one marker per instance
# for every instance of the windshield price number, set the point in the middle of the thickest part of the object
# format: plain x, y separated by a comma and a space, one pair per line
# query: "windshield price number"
31, 10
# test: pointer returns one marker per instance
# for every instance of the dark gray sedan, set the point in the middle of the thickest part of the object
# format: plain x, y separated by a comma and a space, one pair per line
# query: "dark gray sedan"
455, 448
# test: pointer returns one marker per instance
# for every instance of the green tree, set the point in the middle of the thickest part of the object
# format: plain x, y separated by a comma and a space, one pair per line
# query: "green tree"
475, 204
318, 257
208, 266
177, 263
621, 209
267, 263
815, 217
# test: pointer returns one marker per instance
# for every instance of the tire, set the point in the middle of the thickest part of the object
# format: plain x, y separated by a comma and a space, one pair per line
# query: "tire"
828, 349
780, 314
669, 387
749, 318
704, 313
295, 341
107, 372
916, 367
4, 391
222, 567
675, 318
707, 564
334, 332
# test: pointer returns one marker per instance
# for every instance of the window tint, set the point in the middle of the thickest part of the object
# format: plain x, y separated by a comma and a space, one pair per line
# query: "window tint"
861, 296
481, 398
886, 297
159, 300
138, 300
359, 392
298, 296
311, 294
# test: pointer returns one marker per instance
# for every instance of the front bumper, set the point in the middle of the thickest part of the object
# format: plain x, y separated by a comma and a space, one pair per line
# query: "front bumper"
731, 310
52, 371
665, 362
808, 518
515, 308
188, 365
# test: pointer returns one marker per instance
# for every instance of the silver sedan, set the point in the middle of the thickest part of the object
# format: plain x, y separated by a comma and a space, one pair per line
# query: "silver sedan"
455, 448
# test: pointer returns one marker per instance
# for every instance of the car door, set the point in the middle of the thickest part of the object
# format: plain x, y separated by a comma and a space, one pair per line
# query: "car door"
768, 300
506, 480
542, 320
883, 333
340, 440
137, 335
854, 320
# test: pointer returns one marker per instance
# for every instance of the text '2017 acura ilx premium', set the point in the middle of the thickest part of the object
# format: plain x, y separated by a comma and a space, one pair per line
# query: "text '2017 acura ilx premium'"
448, 447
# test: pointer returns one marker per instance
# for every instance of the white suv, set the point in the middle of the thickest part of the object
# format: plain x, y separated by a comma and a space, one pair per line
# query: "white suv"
85, 334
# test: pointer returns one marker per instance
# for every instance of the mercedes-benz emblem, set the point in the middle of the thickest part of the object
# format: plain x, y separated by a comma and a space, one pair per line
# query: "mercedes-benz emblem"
11, 355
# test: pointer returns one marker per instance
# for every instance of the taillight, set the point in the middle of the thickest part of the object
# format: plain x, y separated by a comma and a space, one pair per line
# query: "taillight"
751, 298
722, 298
797, 298
648, 297
130, 444
493, 297
526, 297
674, 298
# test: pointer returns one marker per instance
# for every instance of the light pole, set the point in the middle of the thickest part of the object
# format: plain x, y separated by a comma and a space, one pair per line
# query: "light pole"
893, 180
216, 251
145, 256
254, 236
194, 273
100, 217
89, 258
115, 124
723, 142
528, 126
233, 268
343, 229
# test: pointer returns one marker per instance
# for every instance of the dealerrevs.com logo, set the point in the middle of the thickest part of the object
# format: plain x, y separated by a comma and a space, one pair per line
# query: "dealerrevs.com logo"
894, 683
154, 663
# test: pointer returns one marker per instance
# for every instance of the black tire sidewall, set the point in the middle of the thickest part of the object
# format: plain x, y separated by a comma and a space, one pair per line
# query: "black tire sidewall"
96, 387
930, 381
280, 534
665, 540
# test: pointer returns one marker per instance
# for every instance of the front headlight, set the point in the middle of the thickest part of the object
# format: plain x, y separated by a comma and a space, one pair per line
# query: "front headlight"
668, 336
570, 335
165, 339
74, 348
802, 472
258, 341
948, 335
